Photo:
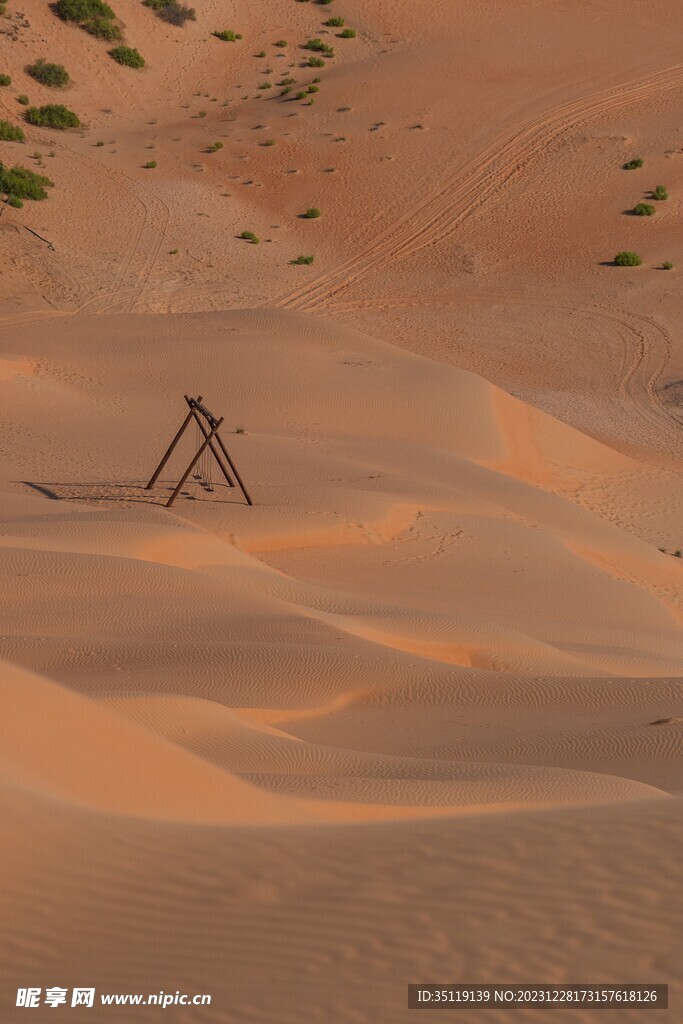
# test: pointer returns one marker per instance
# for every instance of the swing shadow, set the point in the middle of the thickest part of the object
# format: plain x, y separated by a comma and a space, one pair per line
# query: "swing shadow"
132, 492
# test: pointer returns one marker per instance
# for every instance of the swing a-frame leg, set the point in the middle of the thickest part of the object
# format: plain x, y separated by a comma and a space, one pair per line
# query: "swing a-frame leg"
208, 426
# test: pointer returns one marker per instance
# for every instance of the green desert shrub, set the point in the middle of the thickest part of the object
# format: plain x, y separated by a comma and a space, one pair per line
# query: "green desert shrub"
643, 209
300, 96
261, 53
103, 29
318, 46
15, 201
303, 260
335, 22
316, 62
631, 165
5, 80
667, 265
313, 88
53, 75
280, 42
23, 183
81, 11
52, 115
347, 33
312, 213
227, 35
249, 236
660, 192
10, 132
627, 259
23, 99
128, 56
265, 85
150, 165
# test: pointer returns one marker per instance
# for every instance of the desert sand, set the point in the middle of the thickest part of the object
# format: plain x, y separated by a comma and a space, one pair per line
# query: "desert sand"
415, 716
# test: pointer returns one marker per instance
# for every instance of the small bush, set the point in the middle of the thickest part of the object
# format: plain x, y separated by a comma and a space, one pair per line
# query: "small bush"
53, 75
150, 165
172, 11
303, 260
286, 90
660, 192
5, 80
627, 259
52, 115
316, 62
631, 165
280, 42
214, 147
15, 202
300, 96
10, 132
335, 22
287, 81
249, 236
312, 213
347, 33
23, 183
23, 99
318, 46
82, 11
128, 56
643, 209
103, 29
99, 143
261, 53
265, 85
667, 265
227, 35
268, 142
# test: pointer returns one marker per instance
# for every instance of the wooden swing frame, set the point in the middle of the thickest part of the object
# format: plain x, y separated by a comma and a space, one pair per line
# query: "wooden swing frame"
208, 425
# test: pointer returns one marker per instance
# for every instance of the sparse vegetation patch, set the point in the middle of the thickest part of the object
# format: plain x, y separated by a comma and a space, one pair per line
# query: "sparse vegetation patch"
5, 80
631, 165
660, 192
52, 115
53, 75
21, 183
249, 236
128, 56
627, 259
172, 11
643, 209
227, 35
11, 132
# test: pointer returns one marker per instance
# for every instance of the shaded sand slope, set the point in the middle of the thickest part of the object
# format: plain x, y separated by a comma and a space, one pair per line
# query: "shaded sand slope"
339, 920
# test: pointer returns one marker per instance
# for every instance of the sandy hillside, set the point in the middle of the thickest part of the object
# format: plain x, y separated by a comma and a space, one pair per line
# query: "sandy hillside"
415, 715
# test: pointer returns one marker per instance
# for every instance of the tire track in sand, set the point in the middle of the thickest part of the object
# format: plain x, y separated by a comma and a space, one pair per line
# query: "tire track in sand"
436, 216
140, 256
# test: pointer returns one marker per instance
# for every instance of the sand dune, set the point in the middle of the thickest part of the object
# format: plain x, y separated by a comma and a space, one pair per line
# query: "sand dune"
416, 714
